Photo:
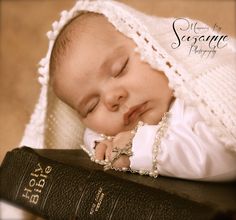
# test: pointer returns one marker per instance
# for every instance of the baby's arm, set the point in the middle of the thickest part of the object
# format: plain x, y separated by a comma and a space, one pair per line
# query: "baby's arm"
185, 152
188, 149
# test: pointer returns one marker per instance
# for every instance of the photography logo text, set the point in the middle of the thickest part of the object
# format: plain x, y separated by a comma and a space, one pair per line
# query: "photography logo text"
200, 39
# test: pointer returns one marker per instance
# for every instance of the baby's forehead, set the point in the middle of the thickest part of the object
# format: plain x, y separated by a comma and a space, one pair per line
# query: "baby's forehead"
90, 25
87, 32
86, 26
93, 32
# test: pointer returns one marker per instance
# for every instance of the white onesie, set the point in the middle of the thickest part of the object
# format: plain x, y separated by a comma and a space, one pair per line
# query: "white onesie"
188, 150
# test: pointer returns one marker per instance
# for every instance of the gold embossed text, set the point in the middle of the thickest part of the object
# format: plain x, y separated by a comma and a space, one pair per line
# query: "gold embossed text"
36, 183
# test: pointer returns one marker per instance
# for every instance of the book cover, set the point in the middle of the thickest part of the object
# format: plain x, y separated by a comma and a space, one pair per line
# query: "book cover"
65, 184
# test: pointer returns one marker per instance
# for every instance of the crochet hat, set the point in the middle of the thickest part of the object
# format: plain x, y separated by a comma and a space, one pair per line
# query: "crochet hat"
200, 68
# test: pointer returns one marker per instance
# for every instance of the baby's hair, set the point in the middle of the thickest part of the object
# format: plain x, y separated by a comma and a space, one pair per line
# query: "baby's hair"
65, 38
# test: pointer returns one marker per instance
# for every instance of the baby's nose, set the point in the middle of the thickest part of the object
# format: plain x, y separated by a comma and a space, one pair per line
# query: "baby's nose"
114, 99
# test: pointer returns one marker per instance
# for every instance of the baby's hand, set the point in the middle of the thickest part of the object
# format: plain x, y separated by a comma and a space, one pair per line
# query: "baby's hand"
107, 149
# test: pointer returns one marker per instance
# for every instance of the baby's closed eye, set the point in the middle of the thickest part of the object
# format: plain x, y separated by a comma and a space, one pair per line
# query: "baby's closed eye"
121, 69
92, 105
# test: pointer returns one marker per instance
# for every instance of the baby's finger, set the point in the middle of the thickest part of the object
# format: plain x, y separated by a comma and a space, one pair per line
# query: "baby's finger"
122, 162
108, 153
100, 151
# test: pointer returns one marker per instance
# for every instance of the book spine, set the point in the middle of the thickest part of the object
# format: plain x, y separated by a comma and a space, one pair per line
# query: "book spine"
57, 191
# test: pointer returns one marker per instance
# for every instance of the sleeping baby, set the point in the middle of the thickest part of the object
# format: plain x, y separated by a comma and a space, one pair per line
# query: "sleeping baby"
141, 113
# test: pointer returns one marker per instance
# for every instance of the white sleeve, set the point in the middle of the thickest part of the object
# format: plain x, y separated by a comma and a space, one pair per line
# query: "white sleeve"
189, 150
142, 148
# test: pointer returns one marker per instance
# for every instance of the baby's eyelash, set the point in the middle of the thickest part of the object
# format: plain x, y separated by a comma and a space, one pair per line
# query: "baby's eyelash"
91, 109
123, 68
125, 65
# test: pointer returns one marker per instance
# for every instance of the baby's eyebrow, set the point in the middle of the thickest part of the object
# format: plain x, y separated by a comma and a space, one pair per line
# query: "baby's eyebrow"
115, 53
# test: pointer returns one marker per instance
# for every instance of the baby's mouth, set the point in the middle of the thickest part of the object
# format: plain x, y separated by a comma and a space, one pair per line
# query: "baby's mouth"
133, 113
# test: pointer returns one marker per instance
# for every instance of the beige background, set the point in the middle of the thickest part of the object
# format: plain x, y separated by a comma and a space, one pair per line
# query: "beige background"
23, 43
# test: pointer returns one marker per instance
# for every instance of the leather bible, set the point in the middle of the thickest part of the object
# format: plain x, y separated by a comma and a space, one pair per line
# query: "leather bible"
65, 184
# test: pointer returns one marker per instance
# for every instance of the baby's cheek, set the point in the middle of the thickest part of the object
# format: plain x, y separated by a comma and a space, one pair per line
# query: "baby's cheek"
108, 124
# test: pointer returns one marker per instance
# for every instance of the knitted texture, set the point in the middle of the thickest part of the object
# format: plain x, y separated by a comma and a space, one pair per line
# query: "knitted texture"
206, 83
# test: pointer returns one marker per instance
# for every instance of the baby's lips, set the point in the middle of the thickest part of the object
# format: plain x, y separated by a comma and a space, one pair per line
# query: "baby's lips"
133, 113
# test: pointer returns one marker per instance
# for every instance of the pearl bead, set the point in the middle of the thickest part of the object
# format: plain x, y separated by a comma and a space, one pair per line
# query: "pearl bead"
155, 150
109, 138
151, 173
141, 172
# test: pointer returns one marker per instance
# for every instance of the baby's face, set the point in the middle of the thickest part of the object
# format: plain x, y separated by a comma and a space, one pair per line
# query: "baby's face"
105, 81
